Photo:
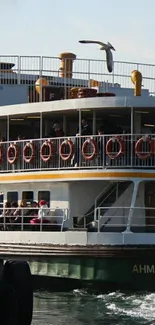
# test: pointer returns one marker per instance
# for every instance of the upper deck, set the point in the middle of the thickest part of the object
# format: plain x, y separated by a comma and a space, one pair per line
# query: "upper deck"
26, 141
59, 77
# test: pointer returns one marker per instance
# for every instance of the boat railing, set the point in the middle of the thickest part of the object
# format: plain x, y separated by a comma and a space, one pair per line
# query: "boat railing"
22, 219
82, 152
106, 219
26, 70
115, 219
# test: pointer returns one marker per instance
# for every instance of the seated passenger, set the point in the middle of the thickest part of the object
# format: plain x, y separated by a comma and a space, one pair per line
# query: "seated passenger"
34, 209
20, 211
43, 213
7, 211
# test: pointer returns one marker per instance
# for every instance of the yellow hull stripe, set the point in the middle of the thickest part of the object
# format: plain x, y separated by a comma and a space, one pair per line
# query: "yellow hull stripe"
73, 176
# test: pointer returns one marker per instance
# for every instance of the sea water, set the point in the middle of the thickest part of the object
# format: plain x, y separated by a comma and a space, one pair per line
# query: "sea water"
81, 308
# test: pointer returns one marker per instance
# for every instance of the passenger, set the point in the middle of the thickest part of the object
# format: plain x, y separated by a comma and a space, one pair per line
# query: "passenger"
85, 130
5, 216
34, 209
43, 213
7, 209
58, 132
14, 206
21, 211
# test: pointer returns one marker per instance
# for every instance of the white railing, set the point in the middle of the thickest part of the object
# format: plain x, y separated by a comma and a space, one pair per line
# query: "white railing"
27, 69
27, 219
91, 152
115, 219
106, 219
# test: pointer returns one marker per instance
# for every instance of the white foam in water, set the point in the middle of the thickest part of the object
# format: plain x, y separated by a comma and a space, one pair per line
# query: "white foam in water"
135, 306
76, 307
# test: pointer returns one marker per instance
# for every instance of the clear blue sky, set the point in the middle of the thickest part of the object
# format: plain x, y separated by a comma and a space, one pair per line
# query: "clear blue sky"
49, 27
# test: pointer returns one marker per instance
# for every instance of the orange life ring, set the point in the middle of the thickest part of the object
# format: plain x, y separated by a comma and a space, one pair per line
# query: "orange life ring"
66, 157
84, 149
45, 145
12, 153
28, 158
138, 148
121, 143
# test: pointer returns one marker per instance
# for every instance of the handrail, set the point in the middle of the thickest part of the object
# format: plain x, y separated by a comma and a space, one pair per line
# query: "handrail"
21, 223
115, 210
108, 187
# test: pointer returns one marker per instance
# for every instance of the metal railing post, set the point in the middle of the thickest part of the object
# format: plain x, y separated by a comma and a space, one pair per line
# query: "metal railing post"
22, 220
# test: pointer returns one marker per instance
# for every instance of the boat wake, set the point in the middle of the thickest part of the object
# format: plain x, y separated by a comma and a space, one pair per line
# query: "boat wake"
82, 308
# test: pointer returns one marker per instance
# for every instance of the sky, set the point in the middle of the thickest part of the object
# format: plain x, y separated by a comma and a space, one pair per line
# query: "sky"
49, 27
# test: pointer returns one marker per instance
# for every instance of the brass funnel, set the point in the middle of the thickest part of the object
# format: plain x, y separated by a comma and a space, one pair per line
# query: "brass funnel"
66, 65
136, 78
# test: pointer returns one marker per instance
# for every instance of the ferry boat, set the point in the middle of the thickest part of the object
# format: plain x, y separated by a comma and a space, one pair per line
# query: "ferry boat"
81, 143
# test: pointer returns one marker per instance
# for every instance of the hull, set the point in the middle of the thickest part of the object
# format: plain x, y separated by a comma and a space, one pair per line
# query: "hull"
116, 268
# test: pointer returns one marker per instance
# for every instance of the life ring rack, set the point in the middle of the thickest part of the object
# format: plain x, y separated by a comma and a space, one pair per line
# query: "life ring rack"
121, 150
12, 153
63, 156
138, 148
93, 144
46, 145
30, 158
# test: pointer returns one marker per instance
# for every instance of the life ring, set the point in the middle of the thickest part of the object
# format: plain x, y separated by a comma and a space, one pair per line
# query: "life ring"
66, 157
12, 153
85, 145
138, 148
118, 154
45, 145
26, 156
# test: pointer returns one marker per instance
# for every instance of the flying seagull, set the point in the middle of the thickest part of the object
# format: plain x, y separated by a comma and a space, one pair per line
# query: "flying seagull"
106, 47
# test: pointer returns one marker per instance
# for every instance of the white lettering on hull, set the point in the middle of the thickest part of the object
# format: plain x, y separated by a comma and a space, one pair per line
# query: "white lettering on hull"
143, 268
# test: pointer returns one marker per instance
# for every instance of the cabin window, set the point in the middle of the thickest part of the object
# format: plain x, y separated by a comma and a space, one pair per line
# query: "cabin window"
44, 195
28, 196
12, 197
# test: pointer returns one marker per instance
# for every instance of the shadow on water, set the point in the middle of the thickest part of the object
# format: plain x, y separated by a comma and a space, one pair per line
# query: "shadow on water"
64, 285
81, 307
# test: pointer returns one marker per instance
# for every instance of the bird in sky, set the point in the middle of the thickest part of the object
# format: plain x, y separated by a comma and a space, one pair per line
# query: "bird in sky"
104, 47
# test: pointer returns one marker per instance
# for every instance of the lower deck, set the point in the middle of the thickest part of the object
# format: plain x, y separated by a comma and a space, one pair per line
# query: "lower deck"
81, 206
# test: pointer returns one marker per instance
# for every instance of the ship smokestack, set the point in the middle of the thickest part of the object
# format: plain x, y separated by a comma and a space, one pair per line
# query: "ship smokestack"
136, 78
66, 65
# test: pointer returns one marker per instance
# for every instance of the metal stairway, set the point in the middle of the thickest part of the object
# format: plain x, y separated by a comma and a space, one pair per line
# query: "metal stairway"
106, 198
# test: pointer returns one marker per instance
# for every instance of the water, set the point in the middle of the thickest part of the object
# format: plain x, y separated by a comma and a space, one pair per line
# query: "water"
81, 308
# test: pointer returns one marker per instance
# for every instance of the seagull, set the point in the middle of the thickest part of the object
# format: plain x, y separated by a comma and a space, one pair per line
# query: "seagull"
105, 47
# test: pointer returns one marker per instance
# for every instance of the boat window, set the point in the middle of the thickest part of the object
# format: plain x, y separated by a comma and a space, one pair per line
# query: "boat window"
28, 196
12, 197
44, 195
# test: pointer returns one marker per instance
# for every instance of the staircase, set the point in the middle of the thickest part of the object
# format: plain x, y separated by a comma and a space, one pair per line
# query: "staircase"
106, 198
